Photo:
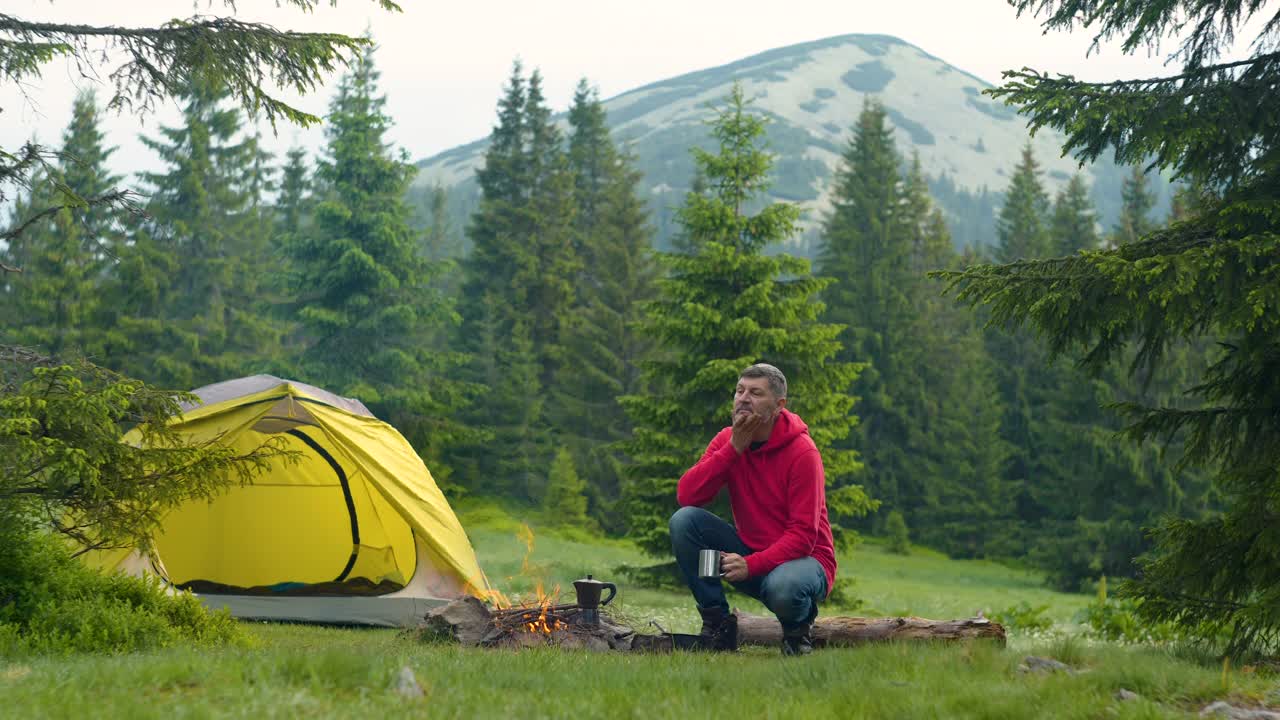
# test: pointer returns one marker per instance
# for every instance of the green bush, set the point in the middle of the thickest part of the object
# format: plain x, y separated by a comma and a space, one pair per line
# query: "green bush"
1024, 616
50, 603
1118, 620
843, 596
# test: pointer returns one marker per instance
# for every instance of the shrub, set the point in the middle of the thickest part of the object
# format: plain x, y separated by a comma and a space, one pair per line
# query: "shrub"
1024, 616
52, 603
842, 595
1117, 619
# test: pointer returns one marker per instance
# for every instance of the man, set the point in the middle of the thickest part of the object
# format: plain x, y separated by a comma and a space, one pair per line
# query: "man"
781, 552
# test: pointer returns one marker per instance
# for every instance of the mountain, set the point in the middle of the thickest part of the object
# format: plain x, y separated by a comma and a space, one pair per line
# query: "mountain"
813, 92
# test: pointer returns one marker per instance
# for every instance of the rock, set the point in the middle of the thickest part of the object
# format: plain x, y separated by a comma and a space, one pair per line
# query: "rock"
407, 683
1224, 709
466, 621
1126, 695
584, 641
1031, 663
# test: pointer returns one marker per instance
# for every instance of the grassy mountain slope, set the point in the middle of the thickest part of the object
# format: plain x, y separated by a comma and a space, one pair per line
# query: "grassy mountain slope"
813, 93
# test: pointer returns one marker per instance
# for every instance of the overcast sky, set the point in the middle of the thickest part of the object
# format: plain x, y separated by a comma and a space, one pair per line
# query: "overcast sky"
444, 64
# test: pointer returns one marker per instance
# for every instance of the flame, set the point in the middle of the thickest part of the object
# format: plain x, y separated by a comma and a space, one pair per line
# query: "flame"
525, 535
546, 622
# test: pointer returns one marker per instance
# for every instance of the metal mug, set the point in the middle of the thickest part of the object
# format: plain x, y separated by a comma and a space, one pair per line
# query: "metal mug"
709, 563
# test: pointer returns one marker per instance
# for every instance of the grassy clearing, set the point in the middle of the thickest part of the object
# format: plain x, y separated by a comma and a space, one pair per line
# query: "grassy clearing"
297, 671
924, 583
325, 672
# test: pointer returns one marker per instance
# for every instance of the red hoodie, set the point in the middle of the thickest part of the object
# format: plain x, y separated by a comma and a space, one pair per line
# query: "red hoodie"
776, 492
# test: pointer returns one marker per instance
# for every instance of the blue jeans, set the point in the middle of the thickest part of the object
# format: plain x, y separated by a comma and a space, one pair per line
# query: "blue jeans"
791, 591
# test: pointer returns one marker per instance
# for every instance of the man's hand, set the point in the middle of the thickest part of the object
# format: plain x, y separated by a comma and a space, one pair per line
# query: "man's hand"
733, 566
744, 426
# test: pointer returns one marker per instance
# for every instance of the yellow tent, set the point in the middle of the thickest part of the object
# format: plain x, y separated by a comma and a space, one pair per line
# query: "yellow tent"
355, 531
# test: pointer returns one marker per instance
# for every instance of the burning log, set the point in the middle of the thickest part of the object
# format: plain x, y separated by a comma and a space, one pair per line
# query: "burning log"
844, 631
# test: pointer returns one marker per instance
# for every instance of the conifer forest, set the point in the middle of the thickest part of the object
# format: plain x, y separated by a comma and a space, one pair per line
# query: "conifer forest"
1097, 401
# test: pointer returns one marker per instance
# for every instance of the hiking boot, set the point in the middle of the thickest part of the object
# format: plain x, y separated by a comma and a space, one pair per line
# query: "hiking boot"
797, 640
719, 629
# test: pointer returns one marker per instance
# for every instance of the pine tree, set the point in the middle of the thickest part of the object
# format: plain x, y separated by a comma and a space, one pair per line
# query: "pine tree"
1075, 225
363, 302
1213, 272
722, 306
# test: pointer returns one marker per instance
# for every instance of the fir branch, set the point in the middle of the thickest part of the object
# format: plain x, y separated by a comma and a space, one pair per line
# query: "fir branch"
1163, 121
162, 60
1140, 24
116, 198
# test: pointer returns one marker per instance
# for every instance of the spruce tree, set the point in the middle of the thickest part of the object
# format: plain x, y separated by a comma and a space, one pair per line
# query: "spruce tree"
1021, 227
494, 329
292, 206
53, 304
440, 241
868, 258
210, 325
565, 502
722, 306
612, 238
519, 292
926, 427
962, 504
548, 229
361, 284
1136, 204
1075, 225
1213, 273
1023, 372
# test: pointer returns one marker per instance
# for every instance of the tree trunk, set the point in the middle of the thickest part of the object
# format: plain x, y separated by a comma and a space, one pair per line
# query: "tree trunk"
837, 631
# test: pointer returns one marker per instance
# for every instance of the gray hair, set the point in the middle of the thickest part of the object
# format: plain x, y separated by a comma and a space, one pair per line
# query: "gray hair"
777, 381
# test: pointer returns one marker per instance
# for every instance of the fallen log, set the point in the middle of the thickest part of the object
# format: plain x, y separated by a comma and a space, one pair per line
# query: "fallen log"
844, 631
469, 622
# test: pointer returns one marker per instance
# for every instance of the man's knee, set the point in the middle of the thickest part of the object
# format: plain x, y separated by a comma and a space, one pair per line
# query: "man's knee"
790, 596
684, 520
786, 597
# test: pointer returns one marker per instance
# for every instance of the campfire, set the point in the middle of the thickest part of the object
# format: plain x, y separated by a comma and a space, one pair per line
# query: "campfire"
542, 620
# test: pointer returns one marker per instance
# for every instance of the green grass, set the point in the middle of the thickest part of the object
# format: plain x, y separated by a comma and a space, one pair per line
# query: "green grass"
305, 671
301, 671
